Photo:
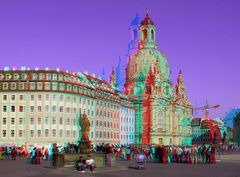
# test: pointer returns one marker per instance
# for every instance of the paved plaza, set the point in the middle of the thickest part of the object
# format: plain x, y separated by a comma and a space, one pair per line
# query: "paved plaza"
228, 167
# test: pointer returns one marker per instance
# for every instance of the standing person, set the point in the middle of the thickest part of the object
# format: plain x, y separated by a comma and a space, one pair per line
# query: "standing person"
175, 155
204, 152
180, 154
152, 152
128, 153
208, 153
1, 153
123, 154
212, 155
46, 154
199, 155
13, 153
193, 154
118, 152
33, 155
38, 156
55, 155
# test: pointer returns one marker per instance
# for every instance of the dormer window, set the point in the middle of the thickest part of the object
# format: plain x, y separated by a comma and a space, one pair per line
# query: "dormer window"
1, 76
41, 76
48, 76
34, 76
24, 76
60, 77
54, 77
8, 76
16, 76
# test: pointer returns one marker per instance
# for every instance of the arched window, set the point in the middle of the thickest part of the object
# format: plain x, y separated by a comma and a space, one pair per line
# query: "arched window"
144, 34
159, 120
135, 34
152, 35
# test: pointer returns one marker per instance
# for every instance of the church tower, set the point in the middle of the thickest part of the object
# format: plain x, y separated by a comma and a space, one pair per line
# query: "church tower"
148, 34
113, 81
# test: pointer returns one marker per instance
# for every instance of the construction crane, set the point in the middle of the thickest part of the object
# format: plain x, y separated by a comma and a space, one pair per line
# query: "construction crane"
206, 108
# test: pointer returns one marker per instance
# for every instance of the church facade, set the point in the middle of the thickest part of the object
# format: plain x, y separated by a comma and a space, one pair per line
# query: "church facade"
163, 111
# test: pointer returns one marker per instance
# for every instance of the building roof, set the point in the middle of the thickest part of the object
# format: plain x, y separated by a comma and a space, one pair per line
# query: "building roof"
147, 20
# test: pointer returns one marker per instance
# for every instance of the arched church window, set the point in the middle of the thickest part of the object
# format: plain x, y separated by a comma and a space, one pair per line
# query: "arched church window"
144, 34
152, 35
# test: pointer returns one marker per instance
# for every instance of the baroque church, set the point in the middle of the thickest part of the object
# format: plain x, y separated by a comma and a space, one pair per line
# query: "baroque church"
163, 111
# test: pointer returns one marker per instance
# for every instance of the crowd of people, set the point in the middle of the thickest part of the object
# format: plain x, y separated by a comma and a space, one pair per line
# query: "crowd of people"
201, 154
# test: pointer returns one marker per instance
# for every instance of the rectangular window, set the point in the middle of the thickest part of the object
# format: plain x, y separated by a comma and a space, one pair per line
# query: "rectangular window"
61, 98
39, 120
68, 134
20, 97
12, 120
32, 97
53, 108
4, 121
47, 86
39, 97
54, 132
61, 133
20, 120
68, 110
61, 108
46, 132
4, 133
61, 121
54, 120
46, 121
12, 133
39, 86
12, 108
13, 97
55, 86
62, 87
32, 86
39, 133
74, 134
5, 86
4, 97
31, 120
68, 121
47, 97
39, 108
4, 108
31, 133
47, 108
54, 97
20, 108
21, 86
32, 108
20, 133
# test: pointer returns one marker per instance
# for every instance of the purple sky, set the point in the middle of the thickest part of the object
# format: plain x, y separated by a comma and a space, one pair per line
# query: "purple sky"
200, 37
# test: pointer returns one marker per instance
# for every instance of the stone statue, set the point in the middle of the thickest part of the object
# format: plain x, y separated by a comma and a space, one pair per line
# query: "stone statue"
84, 143
85, 127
